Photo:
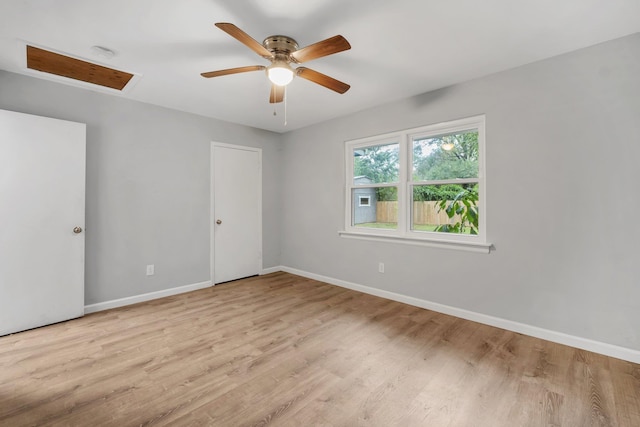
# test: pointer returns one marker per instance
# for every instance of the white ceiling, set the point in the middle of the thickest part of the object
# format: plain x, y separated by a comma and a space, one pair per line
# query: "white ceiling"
400, 48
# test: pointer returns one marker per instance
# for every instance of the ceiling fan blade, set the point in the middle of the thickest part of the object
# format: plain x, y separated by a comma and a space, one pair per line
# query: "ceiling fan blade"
326, 47
322, 79
233, 71
244, 38
277, 94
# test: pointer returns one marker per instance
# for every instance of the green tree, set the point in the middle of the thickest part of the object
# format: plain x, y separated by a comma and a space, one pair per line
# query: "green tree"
423, 193
463, 204
446, 157
380, 164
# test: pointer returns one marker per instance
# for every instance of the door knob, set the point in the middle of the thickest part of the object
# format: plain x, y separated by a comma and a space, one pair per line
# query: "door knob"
77, 230
219, 222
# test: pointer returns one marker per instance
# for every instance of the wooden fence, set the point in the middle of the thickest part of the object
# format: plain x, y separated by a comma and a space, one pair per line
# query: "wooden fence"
423, 213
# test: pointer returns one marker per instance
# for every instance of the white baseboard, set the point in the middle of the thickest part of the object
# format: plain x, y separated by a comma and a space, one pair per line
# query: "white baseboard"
92, 308
271, 270
534, 331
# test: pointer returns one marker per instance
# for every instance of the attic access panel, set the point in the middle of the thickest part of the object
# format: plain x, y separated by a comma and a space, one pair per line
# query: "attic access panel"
65, 66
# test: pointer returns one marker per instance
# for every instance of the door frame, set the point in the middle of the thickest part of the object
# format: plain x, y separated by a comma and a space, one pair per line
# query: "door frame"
212, 210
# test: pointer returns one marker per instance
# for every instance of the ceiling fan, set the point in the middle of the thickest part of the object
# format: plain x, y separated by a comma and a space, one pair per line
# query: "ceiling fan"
283, 51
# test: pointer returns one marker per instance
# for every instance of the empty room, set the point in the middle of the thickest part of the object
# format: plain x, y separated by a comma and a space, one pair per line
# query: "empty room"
319, 213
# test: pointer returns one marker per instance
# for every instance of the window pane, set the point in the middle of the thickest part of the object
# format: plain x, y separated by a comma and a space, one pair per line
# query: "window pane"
378, 164
382, 211
451, 208
446, 156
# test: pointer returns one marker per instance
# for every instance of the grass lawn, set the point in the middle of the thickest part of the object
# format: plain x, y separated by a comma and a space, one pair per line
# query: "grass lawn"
393, 226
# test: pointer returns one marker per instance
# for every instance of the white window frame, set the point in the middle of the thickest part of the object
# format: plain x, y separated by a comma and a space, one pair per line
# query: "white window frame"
403, 233
361, 205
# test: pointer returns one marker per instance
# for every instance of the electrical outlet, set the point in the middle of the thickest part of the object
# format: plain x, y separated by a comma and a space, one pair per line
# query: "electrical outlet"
381, 267
150, 270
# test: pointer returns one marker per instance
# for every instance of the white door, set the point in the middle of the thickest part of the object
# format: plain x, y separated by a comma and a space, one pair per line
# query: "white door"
237, 212
42, 192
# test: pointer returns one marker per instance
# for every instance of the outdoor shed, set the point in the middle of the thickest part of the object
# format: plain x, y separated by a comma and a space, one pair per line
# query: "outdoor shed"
364, 201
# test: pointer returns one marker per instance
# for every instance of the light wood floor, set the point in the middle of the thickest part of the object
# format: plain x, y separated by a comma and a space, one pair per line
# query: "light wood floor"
284, 350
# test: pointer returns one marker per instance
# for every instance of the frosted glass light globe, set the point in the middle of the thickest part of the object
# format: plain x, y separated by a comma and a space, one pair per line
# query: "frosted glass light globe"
280, 74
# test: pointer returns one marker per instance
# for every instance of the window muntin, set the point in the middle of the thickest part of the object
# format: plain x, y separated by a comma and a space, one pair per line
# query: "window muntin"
438, 186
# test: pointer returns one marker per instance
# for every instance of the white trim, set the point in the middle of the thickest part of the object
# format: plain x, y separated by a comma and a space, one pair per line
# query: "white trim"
212, 212
270, 270
360, 204
213, 207
121, 302
403, 231
611, 350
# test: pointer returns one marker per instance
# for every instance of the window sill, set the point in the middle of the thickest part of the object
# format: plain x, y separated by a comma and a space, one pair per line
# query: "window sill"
484, 248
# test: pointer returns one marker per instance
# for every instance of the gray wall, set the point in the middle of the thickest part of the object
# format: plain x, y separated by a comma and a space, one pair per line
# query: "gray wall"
147, 185
563, 148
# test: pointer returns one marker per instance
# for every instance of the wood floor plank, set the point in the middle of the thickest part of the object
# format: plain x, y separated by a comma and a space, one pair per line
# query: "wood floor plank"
290, 351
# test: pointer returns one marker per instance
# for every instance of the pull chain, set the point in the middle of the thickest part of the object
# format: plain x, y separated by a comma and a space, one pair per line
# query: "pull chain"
284, 88
285, 105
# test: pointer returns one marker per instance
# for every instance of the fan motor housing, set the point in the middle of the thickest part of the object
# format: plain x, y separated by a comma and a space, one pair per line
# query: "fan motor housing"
280, 44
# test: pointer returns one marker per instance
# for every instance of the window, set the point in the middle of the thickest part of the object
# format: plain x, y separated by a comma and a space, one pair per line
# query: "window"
364, 201
423, 185
375, 175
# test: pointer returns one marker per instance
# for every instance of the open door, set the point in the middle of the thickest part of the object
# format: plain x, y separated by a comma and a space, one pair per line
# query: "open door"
42, 194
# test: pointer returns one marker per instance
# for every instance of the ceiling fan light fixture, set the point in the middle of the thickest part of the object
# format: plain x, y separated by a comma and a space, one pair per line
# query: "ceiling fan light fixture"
282, 51
280, 73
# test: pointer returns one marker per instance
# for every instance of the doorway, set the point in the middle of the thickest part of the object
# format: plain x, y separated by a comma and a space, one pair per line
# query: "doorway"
236, 212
